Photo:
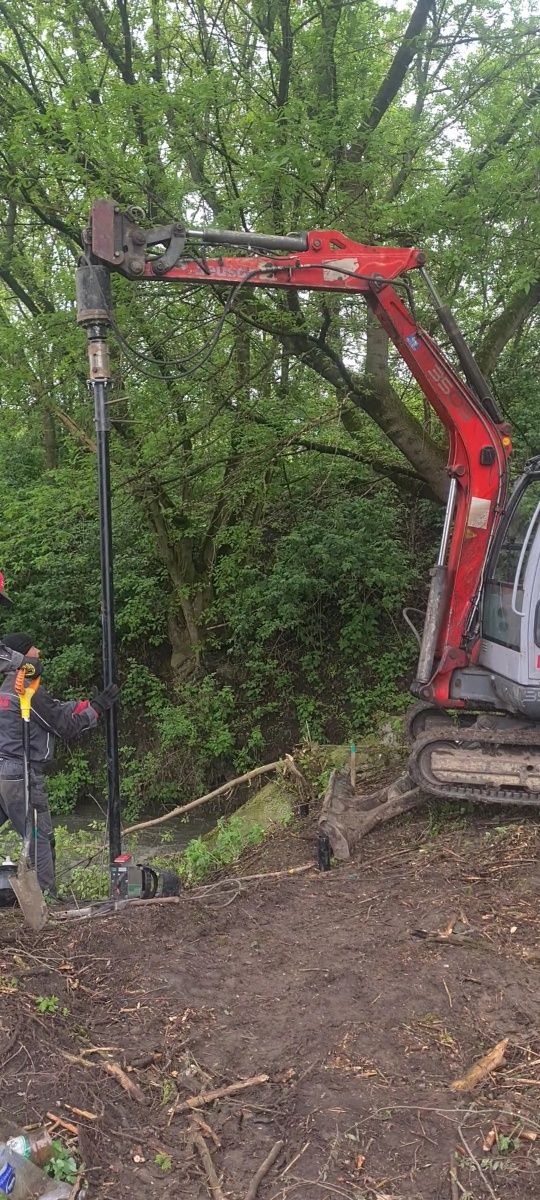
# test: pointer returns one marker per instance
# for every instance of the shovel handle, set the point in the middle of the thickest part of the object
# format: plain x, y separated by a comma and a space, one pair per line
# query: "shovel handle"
25, 691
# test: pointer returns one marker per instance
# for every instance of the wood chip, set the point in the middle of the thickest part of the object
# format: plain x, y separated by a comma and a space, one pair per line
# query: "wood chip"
82, 1112
480, 1070
63, 1124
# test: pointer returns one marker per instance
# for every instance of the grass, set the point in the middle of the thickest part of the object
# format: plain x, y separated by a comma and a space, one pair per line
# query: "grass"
204, 855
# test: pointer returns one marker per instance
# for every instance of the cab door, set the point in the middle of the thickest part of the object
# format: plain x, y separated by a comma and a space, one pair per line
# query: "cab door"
532, 601
512, 591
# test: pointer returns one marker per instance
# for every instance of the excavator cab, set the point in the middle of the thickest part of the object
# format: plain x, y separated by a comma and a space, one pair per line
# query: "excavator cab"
488, 748
507, 673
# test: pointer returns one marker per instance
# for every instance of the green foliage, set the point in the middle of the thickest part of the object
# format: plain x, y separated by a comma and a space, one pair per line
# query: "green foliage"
203, 856
47, 1004
163, 1161
68, 786
200, 719
62, 1166
168, 1091
332, 588
88, 882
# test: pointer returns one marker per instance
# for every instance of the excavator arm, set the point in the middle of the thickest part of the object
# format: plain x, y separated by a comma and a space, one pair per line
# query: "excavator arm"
322, 260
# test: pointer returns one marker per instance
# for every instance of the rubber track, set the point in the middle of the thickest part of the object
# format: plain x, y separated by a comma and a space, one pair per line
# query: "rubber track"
526, 738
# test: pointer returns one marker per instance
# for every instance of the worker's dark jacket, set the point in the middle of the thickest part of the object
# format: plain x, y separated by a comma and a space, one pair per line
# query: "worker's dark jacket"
49, 719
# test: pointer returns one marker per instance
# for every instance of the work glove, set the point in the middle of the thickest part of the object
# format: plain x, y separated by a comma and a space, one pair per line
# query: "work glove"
105, 699
33, 667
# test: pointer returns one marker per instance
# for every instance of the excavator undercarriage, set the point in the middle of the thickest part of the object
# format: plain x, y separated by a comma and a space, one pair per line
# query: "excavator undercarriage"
477, 757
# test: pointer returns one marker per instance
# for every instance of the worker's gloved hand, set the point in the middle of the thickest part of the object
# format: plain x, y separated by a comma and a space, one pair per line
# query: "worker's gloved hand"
105, 699
33, 667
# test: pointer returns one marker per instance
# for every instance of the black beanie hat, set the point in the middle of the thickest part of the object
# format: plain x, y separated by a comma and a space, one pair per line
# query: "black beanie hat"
21, 642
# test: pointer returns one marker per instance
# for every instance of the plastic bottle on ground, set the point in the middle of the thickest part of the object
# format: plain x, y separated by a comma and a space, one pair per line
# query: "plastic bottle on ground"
57, 1191
20, 1179
36, 1145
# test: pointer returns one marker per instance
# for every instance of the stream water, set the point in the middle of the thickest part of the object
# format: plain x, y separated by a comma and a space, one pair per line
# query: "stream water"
177, 832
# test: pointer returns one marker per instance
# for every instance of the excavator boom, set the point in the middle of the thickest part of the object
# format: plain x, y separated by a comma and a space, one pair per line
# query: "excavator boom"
450, 673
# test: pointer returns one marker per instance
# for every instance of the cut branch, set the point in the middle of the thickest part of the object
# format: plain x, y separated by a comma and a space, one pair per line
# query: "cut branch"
490, 1061
220, 791
199, 1143
231, 1089
263, 1170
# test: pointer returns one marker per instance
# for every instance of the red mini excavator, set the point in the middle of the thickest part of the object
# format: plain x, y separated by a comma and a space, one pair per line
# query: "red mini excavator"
475, 733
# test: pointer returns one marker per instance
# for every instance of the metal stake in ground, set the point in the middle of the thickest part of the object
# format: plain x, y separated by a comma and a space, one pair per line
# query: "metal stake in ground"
93, 312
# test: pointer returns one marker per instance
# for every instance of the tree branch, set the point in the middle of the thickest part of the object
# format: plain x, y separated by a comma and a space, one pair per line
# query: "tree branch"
506, 325
25, 298
393, 80
478, 164
400, 476
101, 30
128, 42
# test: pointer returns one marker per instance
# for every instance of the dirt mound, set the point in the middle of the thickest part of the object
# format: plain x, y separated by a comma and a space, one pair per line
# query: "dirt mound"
361, 994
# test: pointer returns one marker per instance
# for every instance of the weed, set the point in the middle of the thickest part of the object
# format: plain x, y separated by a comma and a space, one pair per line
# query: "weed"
168, 1091
498, 833
203, 855
62, 1166
163, 1161
47, 1004
443, 814
8, 983
507, 1144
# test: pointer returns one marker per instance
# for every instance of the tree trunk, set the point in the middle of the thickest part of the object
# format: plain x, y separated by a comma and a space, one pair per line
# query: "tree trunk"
191, 589
49, 440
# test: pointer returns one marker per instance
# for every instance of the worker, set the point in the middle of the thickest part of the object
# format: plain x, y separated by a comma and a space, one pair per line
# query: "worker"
49, 719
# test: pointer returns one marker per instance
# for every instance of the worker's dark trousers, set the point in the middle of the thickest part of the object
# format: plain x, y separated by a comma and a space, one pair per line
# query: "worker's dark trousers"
12, 809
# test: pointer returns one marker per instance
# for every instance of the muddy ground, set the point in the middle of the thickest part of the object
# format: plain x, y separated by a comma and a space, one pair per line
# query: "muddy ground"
318, 981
